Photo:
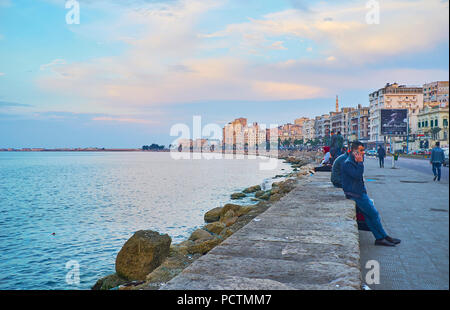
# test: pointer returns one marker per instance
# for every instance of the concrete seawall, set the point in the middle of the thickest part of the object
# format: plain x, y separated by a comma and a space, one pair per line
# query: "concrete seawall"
307, 240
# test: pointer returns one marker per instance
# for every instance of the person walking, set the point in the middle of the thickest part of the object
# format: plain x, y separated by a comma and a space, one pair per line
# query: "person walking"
354, 189
381, 155
436, 160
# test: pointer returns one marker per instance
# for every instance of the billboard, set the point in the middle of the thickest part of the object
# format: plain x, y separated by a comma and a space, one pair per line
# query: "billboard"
394, 122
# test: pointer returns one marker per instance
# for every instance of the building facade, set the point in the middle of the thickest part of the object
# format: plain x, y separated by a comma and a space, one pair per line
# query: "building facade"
435, 93
433, 126
393, 96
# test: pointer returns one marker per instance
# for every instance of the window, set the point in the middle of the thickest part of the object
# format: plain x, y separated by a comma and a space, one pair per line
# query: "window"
419, 125
445, 121
436, 122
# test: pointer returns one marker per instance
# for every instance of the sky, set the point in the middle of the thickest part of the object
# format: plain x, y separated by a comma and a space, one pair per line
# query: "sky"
131, 69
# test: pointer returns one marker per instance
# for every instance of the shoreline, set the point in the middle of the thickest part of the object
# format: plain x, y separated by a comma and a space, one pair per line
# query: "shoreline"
220, 223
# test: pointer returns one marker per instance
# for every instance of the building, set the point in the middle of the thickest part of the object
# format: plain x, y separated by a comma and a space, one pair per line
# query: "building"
290, 132
433, 126
358, 127
435, 93
234, 134
255, 137
308, 130
322, 126
340, 121
393, 96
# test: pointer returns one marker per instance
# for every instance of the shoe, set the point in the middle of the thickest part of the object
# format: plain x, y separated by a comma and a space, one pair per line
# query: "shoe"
384, 242
393, 240
435, 177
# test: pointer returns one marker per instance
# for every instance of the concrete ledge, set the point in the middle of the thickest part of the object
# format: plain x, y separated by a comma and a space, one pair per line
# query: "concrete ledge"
307, 240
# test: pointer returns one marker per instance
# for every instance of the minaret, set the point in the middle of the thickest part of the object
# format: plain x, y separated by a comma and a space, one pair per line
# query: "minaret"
337, 104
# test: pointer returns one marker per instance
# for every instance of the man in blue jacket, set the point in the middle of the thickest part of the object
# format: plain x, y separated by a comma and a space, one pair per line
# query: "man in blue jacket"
336, 170
436, 160
381, 155
354, 188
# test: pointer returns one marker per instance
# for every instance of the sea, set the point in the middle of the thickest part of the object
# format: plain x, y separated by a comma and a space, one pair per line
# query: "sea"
64, 216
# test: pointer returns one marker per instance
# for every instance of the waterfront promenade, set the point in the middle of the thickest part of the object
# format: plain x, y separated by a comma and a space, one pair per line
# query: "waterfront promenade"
307, 240
414, 209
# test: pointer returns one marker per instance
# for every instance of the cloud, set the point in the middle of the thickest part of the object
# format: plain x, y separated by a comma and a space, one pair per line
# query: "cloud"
168, 60
2, 74
341, 28
53, 63
13, 104
123, 120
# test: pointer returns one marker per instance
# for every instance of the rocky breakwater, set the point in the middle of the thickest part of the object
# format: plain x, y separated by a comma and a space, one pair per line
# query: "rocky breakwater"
148, 261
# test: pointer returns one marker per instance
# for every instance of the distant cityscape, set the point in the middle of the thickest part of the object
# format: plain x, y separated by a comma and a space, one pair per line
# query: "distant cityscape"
427, 109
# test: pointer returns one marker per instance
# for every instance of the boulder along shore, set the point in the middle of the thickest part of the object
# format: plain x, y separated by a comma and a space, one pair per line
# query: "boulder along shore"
148, 260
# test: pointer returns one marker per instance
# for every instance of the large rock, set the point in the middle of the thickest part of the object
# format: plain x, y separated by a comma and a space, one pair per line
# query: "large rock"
252, 189
213, 215
109, 282
215, 227
237, 195
141, 254
200, 234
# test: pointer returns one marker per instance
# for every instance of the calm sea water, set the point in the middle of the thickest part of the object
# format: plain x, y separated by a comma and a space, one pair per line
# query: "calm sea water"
94, 202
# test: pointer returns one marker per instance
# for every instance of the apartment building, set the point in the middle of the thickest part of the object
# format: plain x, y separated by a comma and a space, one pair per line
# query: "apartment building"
435, 93
393, 96
433, 125
358, 128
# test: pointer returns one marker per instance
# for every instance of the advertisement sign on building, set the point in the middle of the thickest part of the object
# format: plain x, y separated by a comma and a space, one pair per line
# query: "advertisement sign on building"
394, 122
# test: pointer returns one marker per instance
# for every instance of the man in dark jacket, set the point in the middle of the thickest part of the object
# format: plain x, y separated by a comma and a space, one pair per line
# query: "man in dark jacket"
436, 160
336, 170
381, 155
354, 188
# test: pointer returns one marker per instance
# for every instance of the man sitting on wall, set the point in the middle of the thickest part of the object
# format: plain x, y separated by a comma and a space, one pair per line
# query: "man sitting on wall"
354, 188
336, 170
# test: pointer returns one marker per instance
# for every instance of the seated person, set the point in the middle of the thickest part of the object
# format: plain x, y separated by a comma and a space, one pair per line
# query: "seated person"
336, 170
326, 163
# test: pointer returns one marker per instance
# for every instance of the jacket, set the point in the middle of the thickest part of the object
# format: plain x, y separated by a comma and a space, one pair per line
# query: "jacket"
336, 171
437, 155
381, 152
352, 178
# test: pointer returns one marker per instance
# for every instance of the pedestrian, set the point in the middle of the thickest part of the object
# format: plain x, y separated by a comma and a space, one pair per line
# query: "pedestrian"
381, 155
436, 160
336, 170
354, 189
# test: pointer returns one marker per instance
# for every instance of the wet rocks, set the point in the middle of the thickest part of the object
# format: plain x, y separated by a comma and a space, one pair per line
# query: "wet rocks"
200, 234
141, 254
259, 193
252, 189
109, 282
215, 227
212, 215
237, 196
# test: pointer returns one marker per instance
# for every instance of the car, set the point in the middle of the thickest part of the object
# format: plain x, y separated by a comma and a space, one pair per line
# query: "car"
446, 156
371, 153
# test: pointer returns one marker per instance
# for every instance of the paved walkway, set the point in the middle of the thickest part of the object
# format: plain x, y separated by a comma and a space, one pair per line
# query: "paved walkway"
414, 209
307, 240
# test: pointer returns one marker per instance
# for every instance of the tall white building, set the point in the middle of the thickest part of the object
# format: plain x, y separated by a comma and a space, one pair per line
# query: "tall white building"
394, 96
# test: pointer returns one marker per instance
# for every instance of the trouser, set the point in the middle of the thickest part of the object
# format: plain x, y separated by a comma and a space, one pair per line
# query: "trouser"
437, 170
381, 161
323, 168
371, 215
